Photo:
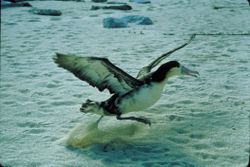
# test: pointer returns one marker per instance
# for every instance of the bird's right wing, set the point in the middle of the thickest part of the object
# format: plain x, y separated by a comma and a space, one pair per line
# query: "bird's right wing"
98, 72
146, 70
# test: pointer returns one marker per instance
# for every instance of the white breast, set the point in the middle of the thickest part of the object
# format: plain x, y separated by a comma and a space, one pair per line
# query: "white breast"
141, 98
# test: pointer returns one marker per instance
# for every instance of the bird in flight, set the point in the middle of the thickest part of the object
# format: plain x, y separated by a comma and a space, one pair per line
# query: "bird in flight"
128, 93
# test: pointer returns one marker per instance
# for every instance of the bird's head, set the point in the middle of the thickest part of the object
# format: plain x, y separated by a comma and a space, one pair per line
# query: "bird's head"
171, 68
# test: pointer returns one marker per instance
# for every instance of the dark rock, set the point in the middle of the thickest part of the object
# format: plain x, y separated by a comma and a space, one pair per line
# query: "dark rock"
26, 4
119, 7
248, 2
47, 12
124, 21
114, 23
6, 4
99, 1
140, 1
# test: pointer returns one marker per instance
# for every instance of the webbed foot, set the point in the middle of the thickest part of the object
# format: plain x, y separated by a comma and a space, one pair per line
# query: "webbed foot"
145, 121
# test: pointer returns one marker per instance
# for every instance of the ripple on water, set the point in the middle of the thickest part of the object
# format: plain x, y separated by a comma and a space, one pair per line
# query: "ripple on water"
41, 94
175, 118
166, 164
225, 55
10, 23
186, 101
204, 103
220, 113
232, 50
34, 20
216, 96
180, 140
206, 156
63, 103
56, 18
180, 130
200, 146
197, 136
51, 85
9, 102
24, 91
219, 144
30, 124
36, 31
36, 131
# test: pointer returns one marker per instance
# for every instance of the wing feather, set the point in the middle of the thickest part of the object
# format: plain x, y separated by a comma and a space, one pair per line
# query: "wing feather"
98, 72
147, 69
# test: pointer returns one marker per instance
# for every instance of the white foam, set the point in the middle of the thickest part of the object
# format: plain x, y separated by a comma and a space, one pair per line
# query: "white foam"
88, 133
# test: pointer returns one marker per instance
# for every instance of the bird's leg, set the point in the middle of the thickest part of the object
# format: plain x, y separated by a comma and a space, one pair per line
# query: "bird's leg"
138, 119
94, 125
99, 119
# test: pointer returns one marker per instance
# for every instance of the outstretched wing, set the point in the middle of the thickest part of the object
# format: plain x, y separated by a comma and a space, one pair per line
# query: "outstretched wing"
146, 70
98, 72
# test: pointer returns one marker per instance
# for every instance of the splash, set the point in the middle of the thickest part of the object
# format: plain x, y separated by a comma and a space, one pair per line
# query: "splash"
86, 134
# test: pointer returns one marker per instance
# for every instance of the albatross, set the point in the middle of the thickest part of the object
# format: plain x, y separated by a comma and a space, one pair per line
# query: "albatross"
128, 93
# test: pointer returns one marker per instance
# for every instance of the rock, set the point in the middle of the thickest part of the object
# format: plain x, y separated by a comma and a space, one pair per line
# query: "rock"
6, 4
140, 20
99, 1
47, 12
140, 1
119, 7
124, 21
248, 2
111, 22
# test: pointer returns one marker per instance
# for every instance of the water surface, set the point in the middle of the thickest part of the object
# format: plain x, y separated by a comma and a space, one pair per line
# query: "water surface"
198, 121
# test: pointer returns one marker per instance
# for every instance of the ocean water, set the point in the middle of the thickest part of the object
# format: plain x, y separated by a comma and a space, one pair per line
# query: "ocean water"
197, 122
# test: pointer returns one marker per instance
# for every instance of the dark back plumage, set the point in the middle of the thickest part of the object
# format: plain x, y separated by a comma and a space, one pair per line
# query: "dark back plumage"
160, 74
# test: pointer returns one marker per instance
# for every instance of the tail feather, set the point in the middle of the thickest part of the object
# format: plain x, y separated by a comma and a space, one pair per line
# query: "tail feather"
92, 107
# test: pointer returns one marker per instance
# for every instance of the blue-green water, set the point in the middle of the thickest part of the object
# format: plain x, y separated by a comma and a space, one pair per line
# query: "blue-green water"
197, 122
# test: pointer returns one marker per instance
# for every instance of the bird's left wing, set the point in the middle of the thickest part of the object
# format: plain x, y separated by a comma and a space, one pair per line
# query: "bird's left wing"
98, 72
